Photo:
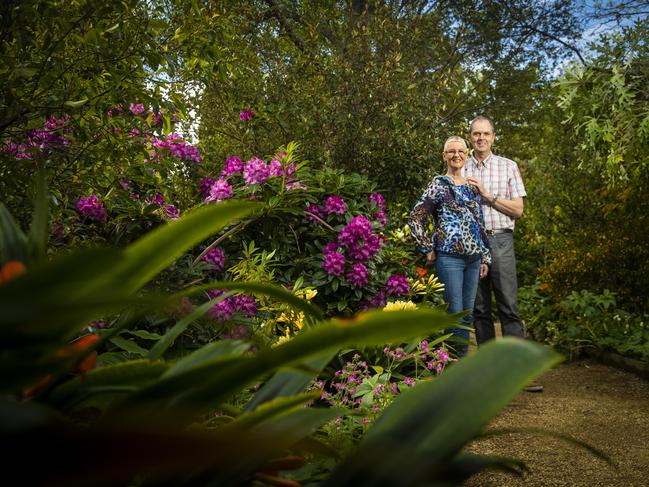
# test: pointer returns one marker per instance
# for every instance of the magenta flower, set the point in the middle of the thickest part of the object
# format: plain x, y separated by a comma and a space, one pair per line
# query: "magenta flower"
206, 185
363, 251
297, 184
330, 247
219, 191
378, 301
124, 183
221, 311
397, 285
377, 199
408, 381
216, 257
313, 210
275, 168
245, 304
255, 171
90, 207
335, 205
334, 263
136, 108
171, 212
246, 114
233, 165
381, 217
358, 275
158, 199
359, 228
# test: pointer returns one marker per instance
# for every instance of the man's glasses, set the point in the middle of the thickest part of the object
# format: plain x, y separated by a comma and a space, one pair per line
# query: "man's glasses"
455, 151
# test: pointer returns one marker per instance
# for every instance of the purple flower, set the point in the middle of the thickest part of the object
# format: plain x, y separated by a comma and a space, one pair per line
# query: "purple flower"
359, 228
395, 388
245, 304
297, 184
233, 165
221, 311
313, 210
378, 301
397, 284
124, 183
377, 199
219, 191
424, 346
136, 108
206, 184
255, 171
335, 205
334, 263
291, 168
408, 381
171, 212
330, 247
381, 217
90, 207
246, 114
358, 275
363, 251
237, 333
58, 231
275, 168
216, 257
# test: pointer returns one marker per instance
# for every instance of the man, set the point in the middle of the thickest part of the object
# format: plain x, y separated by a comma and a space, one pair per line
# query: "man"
501, 187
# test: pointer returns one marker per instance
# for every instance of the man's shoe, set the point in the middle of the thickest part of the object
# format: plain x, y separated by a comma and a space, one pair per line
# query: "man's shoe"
534, 387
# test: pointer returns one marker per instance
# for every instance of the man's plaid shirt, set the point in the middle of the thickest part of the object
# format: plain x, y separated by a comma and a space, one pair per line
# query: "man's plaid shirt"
500, 177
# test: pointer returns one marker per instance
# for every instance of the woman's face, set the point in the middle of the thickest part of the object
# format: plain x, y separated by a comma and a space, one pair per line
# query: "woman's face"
455, 155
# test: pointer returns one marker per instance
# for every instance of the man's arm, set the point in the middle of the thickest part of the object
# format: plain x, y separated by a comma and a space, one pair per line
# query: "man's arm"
512, 208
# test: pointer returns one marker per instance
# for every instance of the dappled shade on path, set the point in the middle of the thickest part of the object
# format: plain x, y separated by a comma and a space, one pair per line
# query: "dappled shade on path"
603, 406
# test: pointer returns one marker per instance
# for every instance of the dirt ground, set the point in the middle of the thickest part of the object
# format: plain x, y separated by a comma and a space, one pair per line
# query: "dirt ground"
606, 407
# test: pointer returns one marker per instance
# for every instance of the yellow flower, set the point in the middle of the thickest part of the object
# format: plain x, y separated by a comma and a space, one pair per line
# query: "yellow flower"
399, 305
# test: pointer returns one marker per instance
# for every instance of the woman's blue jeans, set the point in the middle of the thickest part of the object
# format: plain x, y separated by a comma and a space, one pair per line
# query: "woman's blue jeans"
460, 275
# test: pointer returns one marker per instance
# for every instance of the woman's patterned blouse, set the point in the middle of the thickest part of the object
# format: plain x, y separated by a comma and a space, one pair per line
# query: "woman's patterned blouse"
457, 217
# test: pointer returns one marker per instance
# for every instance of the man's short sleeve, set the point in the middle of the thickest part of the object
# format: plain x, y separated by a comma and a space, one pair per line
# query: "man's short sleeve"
516, 186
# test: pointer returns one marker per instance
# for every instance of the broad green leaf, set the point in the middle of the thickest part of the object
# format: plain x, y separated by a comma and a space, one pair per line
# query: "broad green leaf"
144, 334
158, 249
289, 382
206, 386
271, 409
129, 345
464, 398
76, 104
208, 354
13, 241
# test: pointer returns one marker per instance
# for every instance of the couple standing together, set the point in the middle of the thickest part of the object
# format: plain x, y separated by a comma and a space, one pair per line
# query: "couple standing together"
474, 207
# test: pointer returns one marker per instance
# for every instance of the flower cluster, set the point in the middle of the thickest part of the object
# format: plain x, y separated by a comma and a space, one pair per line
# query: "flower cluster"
233, 165
334, 263
335, 205
345, 383
219, 190
379, 201
435, 360
397, 285
216, 257
54, 134
246, 115
91, 207
256, 171
311, 211
358, 275
175, 145
223, 310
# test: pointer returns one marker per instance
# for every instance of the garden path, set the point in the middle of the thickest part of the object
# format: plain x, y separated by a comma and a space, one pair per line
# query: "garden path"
606, 407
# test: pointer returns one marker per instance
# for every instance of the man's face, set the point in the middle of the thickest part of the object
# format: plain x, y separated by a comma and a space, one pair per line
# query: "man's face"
482, 136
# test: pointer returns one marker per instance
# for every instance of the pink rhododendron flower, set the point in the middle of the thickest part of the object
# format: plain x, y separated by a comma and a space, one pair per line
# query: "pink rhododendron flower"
91, 207
246, 114
233, 165
255, 171
216, 257
275, 168
334, 263
397, 284
358, 275
219, 191
335, 205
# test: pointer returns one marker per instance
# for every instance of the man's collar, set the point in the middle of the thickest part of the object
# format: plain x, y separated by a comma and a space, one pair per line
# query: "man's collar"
482, 163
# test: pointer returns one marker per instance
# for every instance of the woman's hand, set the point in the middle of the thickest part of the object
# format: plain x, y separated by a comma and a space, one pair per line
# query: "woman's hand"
430, 257
484, 270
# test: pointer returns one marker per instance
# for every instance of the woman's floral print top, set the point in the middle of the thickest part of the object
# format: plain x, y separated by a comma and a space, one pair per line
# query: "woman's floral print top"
457, 217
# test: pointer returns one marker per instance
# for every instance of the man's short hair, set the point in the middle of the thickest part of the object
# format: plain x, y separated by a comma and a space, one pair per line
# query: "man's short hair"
481, 118
455, 138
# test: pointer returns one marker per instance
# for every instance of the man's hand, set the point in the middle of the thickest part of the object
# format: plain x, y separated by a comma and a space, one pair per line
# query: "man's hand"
430, 257
484, 270
473, 181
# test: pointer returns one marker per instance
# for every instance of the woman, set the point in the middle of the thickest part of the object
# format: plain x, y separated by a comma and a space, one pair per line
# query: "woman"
458, 245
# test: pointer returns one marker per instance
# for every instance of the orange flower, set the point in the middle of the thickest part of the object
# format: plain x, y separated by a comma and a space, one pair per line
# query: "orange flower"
10, 270
78, 346
544, 286
421, 272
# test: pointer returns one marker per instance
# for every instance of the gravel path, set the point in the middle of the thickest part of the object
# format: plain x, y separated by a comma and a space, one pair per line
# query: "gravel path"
603, 406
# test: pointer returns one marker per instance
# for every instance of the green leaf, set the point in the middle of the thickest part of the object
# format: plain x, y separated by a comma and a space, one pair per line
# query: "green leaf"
130, 346
208, 354
272, 408
76, 104
38, 230
465, 398
144, 334
13, 240
206, 386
